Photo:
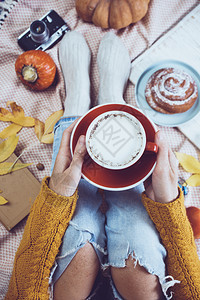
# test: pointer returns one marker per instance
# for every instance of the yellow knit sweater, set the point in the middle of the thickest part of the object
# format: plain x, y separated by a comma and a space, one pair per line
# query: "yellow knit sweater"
46, 225
176, 233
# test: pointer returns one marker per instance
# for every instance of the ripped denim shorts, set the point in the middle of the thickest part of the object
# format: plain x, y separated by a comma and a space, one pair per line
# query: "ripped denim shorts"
124, 229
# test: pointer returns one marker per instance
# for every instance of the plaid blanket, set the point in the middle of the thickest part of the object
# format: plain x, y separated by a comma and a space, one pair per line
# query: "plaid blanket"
161, 16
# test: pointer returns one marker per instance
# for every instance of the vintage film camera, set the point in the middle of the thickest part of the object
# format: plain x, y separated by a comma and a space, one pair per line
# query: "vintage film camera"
43, 33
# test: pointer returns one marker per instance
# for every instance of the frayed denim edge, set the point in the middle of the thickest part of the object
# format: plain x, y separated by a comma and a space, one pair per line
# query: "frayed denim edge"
166, 282
96, 246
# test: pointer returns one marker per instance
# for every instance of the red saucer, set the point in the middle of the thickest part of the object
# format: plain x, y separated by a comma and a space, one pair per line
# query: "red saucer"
116, 180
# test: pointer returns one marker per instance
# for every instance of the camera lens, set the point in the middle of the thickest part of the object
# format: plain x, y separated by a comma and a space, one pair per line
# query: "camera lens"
39, 32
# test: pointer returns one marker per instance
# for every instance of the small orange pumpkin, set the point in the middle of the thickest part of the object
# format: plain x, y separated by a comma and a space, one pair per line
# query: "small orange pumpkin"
115, 14
36, 69
193, 214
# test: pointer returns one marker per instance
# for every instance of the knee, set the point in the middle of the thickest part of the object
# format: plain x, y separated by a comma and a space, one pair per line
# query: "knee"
134, 282
87, 258
78, 279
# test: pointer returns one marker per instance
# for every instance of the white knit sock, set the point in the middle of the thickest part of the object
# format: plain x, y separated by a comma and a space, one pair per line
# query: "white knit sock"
74, 56
114, 67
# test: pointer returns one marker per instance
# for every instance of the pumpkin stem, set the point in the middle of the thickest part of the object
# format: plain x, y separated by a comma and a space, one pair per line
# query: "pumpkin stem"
29, 73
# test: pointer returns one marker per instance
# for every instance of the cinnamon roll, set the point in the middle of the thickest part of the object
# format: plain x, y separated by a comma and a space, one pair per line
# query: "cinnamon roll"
170, 91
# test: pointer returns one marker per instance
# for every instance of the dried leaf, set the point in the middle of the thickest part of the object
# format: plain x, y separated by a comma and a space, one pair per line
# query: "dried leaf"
188, 162
3, 200
43, 131
51, 121
8, 167
48, 138
17, 118
8, 146
17, 110
39, 129
194, 180
5, 113
10, 130
9, 102
24, 121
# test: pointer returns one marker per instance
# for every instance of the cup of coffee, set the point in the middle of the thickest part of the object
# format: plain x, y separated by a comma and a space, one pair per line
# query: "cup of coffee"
116, 140
120, 144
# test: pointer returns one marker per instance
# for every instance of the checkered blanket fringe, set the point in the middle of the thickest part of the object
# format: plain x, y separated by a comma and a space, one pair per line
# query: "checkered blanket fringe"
5, 7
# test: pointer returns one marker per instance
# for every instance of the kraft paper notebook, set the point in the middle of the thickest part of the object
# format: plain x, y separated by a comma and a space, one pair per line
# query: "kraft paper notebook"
20, 188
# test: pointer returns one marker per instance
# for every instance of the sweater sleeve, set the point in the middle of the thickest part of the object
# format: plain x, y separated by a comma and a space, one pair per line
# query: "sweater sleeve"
45, 227
176, 233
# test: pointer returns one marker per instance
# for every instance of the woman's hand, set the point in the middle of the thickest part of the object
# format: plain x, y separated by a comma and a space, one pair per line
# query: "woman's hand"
67, 171
162, 186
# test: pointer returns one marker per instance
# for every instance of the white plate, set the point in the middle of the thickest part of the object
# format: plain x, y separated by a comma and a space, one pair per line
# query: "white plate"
171, 120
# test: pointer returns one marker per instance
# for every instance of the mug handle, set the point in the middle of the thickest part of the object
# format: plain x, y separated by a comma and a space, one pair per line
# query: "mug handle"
152, 147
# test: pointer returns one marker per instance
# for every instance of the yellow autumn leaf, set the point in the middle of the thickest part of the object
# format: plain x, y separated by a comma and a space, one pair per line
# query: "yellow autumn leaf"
3, 200
8, 146
17, 118
5, 113
48, 138
44, 131
10, 130
39, 129
8, 167
194, 180
51, 121
188, 162
24, 121
17, 110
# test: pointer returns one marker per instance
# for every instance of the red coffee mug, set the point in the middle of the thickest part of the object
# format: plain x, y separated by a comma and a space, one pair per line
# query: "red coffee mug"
117, 180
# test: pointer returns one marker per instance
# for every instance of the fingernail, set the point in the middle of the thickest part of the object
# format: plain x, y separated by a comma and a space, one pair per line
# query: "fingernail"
82, 140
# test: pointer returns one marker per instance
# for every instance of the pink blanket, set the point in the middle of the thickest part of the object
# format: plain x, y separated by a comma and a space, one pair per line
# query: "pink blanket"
161, 16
